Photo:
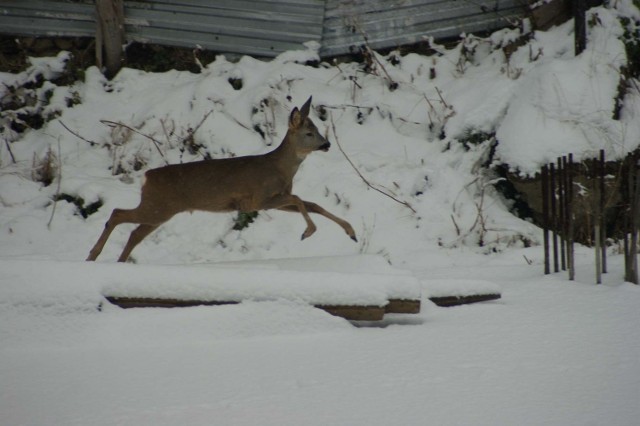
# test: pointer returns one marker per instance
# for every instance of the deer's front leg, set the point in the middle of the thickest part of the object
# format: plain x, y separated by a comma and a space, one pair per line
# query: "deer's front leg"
293, 201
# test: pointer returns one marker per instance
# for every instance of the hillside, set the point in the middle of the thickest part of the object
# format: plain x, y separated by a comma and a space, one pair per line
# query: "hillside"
434, 133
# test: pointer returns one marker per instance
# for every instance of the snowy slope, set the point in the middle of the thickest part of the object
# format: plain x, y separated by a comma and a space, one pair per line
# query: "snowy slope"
549, 352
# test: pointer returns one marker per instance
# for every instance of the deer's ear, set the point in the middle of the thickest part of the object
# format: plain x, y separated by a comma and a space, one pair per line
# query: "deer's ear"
295, 119
304, 110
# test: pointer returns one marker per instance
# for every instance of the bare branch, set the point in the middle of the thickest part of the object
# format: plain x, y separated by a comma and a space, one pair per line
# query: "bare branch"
13, 159
455, 224
191, 132
76, 134
57, 196
335, 136
156, 142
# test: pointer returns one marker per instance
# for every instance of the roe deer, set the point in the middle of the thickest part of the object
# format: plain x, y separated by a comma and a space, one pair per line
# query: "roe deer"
245, 184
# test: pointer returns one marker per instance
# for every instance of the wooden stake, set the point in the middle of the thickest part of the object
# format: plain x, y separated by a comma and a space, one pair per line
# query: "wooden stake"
580, 26
570, 257
603, 226
627, 193
561, 216
634, 170
110, 34
554, 216
598, 254
544, 179
595, 175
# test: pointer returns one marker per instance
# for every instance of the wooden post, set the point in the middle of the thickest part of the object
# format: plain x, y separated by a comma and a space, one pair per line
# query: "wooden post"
110, 35
561, 216
597, 215
554, 216
565, 219
580, 26
627, 194
570, 256
603, 222
544, 178
634, 170
596, 230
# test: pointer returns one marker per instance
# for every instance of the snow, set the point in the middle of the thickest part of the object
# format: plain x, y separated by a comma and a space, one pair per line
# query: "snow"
565, 103
550, 351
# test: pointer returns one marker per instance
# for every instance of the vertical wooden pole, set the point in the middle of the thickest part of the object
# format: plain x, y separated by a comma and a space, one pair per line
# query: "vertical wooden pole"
561, 216
110, 35
544, 178
597, 214
570, 254
580, 26
603, 217
626, 191
635, 211
554, 215
596, 230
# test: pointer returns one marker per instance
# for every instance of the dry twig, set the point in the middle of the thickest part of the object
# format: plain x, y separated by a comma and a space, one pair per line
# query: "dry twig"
76, 134
335, 136
57, 196
191, 132
13, 159
156, 142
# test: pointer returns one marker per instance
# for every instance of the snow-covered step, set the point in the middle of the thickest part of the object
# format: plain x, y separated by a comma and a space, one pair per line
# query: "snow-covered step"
356, 287
327, 283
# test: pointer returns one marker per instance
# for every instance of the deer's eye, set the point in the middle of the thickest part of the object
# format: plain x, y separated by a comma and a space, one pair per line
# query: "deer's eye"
309, 134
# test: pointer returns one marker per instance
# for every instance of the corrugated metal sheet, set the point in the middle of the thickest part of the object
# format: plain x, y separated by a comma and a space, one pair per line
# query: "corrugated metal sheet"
46, 18
254, 27
390, 23
258, 27
266, 27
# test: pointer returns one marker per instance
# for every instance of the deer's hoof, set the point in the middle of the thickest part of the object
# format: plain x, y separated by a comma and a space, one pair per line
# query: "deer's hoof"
353, 237
307, 233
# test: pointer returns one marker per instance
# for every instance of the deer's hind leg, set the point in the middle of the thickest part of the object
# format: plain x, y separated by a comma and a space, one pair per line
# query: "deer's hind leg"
315, 208
139, 215
292, 203
115, 219
137, 235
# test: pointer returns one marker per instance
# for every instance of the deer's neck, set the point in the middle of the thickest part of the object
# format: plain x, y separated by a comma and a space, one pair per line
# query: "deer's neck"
287, 158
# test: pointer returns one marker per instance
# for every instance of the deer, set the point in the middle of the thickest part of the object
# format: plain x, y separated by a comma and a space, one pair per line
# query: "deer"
244, 184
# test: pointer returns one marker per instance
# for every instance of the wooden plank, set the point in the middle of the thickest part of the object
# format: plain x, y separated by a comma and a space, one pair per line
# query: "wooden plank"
350, 312
447, 301
402, 306
149, 302
355, 313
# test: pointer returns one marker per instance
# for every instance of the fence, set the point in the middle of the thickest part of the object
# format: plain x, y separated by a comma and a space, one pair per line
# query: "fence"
267, 27
609, 211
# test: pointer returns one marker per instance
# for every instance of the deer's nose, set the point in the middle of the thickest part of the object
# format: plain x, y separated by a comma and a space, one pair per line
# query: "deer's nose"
324, 147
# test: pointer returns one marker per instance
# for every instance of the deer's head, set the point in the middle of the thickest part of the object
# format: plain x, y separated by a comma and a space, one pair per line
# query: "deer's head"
304, 133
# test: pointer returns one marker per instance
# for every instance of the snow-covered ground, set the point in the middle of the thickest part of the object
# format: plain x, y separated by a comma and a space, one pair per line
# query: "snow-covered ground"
549, 352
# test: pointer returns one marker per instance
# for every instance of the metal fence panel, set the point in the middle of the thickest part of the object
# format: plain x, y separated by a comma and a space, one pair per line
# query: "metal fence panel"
390, 23
267, 27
